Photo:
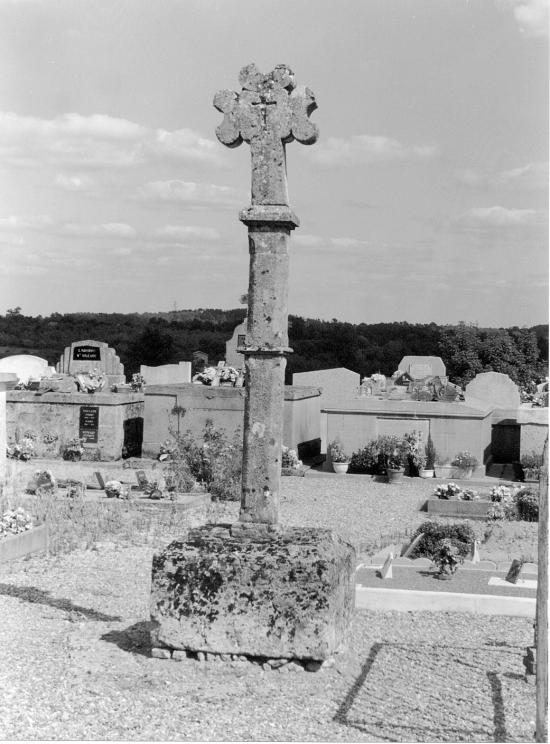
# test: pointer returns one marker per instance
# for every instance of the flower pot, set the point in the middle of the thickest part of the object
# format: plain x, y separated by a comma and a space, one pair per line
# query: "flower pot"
340, 467
530, 475
444, 471
111, 494
425, 473
395, 475
463, 473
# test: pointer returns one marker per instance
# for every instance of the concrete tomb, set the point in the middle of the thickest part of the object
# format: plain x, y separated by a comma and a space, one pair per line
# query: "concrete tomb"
254, 587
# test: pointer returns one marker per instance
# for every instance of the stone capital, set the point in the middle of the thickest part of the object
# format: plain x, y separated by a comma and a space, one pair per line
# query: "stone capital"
276, 215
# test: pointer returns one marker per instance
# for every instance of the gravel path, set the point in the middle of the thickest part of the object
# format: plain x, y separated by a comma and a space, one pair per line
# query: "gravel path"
75, 663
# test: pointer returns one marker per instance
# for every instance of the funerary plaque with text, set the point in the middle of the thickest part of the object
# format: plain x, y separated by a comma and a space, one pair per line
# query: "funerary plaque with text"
86, 354
89, 424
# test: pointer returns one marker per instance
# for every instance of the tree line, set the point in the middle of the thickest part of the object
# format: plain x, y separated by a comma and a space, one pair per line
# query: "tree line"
169, 337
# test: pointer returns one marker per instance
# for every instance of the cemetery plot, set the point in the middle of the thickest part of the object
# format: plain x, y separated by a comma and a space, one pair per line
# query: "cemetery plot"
436, 693
464, 581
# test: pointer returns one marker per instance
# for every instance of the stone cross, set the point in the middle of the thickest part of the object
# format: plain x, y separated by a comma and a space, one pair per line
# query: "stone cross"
268, 113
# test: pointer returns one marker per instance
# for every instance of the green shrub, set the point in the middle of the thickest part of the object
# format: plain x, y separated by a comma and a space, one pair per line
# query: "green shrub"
527, 503
460, 534
365, 460
214, 461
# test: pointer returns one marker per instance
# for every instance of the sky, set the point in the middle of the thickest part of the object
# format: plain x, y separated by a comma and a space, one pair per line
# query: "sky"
424, 200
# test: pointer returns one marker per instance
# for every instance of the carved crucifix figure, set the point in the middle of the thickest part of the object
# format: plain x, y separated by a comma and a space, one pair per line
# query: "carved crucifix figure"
268, 113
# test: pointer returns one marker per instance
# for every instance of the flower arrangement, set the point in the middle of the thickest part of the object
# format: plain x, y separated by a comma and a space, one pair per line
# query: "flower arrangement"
137, 382
468, 494
166, 450
228, 374
289, 459
50, 437
22, 450
336, 451
502, 494
73, 449
465, 460
206, 377
448, 491
14, 521
114, 489
447, 558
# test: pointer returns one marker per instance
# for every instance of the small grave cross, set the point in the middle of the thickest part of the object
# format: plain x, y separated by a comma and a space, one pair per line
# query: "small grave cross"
268, 113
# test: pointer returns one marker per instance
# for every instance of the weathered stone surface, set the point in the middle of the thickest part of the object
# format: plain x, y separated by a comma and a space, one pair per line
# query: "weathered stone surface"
161, 653
290, 597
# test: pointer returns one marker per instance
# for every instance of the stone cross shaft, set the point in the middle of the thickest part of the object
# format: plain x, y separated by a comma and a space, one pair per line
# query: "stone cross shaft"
268, 113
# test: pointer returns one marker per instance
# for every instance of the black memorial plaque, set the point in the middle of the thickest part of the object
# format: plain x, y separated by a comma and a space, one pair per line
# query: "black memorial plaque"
89, 424
86, 354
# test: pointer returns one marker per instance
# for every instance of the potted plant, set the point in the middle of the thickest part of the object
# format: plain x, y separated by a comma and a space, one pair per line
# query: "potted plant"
290, 462
416, 456
443, 468
429, 450
339, 459
465, 462
395, 459
531, 462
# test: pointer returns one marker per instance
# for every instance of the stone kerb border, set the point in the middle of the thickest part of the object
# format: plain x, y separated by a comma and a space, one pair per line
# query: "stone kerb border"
18, 546
282, 665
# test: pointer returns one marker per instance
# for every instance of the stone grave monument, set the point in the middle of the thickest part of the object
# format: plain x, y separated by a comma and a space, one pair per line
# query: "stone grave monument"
256, 588
81, 357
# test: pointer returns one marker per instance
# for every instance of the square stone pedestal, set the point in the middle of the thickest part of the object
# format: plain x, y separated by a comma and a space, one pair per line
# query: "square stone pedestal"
230, 589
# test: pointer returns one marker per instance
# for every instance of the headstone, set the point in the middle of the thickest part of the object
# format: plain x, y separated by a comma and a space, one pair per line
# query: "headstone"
237, 340
26, 367
422, 366
514, 571
387, 572
82, 357
166, 374
494, 389
253, 587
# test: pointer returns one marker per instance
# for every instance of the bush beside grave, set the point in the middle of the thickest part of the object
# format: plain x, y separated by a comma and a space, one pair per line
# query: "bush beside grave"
215, 462
460, 534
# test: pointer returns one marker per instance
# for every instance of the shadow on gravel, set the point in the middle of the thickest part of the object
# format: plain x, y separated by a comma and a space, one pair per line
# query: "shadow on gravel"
136, 639
499, 721
384, 729
39, 596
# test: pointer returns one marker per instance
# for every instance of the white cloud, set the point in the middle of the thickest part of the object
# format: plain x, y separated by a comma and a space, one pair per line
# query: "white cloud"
74, 182
184, 232
347, 243
365, 148
96, 141
189, 192
530, 176
498, 216
531, 16
33, 222
309, 241
106, 230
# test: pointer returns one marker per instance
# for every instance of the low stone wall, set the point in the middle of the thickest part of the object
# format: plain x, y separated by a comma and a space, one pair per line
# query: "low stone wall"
112, 423
173, 409
454, 427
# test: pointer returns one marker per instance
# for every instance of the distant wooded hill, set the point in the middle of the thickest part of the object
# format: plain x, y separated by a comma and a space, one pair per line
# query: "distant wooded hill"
161, 338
